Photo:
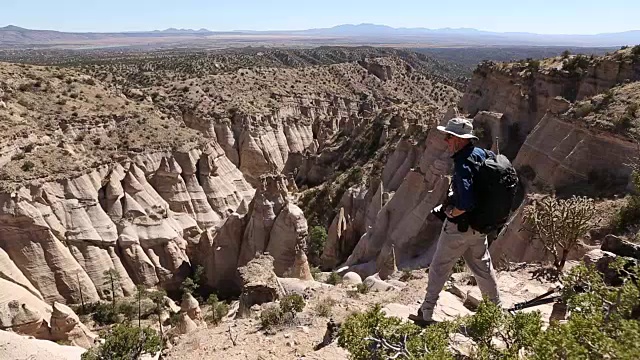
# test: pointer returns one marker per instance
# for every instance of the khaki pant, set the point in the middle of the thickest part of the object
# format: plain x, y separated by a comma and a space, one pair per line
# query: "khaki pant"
473, 248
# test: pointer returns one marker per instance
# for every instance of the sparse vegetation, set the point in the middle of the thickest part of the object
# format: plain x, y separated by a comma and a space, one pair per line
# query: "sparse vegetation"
559, 224
629, 214
334, 278
324, 307
317, 241
124, 342
28, 165
192, 283
218, 310
112, 278
274, 316
601, 324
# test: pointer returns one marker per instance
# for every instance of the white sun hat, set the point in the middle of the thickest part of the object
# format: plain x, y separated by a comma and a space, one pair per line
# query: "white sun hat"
460, 127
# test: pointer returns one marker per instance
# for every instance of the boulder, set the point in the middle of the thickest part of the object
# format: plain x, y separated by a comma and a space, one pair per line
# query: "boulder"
259, 283
620, 247
185, 324
191, 307
171, 305
351, 278
26, 320
601, 260
374, 283
66, 326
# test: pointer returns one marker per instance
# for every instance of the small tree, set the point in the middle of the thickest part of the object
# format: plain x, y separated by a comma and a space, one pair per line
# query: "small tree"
125, 342
218, 309
112, 278
559, 224
192, 283
317, 240
141, 292
160, 306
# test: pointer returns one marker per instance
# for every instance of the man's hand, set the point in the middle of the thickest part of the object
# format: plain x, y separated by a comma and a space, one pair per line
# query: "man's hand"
454, 212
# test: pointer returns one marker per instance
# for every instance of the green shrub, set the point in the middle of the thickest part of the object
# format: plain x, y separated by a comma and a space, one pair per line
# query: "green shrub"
124, 342
128, 309
192, 283
324, 307
362, 288
270, 317
27, 165
334, 278
372, 335
317, 241
603, 325
518, 331
105, 314
218, 309
284, 314
315, 272
406, 275
293, 303
629, 214
559, 224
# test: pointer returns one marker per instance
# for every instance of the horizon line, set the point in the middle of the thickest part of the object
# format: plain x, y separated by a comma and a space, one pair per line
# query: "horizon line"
201, 29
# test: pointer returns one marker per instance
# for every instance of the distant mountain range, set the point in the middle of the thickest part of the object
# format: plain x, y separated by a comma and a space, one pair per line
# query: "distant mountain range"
16, 37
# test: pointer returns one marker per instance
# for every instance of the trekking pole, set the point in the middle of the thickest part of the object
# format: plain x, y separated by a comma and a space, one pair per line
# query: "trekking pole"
538, 300
498, 144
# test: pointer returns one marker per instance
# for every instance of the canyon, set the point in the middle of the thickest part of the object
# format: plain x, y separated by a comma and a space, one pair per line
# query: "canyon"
153, 174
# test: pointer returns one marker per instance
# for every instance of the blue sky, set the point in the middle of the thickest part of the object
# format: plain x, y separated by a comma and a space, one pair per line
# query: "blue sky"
541, 16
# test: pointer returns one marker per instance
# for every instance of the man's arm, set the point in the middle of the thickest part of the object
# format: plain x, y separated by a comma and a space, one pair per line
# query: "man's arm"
464, 186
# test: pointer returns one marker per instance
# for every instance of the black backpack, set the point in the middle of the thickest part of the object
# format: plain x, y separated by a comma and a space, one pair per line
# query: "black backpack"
495, 183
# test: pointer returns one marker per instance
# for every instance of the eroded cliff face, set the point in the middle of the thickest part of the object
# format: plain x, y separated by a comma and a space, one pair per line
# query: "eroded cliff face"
532, 112
521, 93
150, 182
62, 236
391, 218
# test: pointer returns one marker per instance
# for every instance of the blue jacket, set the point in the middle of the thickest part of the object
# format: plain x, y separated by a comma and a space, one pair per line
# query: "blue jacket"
464, 170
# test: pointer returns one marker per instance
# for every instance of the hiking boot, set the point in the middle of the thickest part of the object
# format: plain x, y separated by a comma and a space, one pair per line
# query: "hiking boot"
426, 315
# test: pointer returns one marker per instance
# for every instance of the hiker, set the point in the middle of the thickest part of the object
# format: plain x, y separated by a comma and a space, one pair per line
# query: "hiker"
457, 237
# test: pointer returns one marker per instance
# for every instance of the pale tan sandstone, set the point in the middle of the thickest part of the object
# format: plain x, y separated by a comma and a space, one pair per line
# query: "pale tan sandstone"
191, 307
351, 278
218, 251
185, 324
300, 268
269, 200
66, 326
27, 318
560, 154
335, 238
14, 346
289, 232
259, 284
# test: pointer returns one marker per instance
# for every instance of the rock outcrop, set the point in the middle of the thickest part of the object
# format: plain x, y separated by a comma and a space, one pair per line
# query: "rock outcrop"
403, 218
191, 307
15, 346
66, 327
621, 247
259, 283
185, 325
62, 236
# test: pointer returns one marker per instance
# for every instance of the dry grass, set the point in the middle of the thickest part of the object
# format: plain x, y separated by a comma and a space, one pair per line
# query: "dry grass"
60, 122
